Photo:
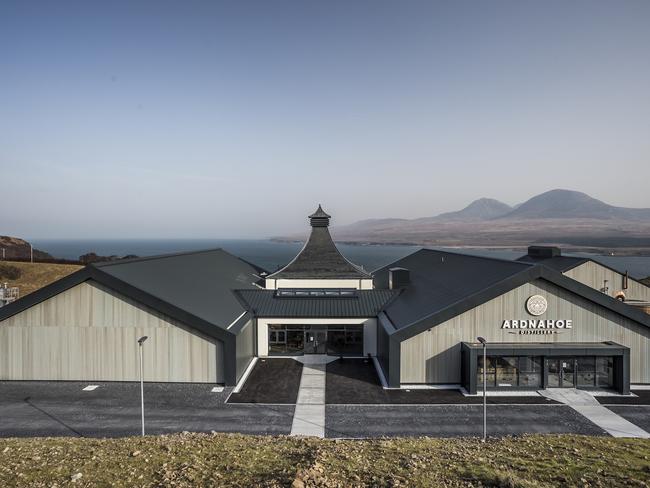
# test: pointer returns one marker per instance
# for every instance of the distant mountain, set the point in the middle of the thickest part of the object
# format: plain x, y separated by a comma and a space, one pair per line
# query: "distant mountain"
559, 217
567, 204
481, 209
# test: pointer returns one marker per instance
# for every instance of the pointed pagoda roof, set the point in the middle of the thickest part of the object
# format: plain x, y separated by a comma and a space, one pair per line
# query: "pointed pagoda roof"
319, 257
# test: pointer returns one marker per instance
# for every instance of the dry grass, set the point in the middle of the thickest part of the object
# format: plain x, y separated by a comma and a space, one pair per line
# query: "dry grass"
188, 460
35, 275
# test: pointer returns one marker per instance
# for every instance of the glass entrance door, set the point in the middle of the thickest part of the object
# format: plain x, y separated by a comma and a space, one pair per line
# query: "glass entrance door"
316, 341
561, 373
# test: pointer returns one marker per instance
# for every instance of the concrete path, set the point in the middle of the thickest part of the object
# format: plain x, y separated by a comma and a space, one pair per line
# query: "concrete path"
309, 416
585, 404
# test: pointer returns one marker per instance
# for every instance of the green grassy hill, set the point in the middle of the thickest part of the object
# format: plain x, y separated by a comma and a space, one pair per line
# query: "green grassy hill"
29, 277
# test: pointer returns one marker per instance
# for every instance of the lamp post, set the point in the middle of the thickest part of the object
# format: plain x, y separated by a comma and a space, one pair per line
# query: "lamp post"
140, 343
484, 342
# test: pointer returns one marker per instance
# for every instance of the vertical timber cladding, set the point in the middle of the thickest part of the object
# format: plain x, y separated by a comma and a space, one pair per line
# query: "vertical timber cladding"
594, 275
89, 332
434, 356
245, 348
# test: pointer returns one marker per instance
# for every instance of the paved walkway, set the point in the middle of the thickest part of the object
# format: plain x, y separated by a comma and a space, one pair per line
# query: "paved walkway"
309, 416
585, 404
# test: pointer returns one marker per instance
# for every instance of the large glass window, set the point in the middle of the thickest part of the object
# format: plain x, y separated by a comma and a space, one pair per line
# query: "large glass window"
338, 340
510, 371
507, 368
490, 371
277, 339
346, 340
530, 371
295, 341
604, 372
586, 371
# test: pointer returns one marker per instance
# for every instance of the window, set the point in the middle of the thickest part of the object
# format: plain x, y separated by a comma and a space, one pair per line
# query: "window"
490, 371
277, 336
507, 368
586, 371
530, 371
604, 372
511, 371
277, 339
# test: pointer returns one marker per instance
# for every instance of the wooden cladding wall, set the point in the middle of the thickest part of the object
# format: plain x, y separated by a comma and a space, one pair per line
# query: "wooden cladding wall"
89, 332
433, 356
594, 275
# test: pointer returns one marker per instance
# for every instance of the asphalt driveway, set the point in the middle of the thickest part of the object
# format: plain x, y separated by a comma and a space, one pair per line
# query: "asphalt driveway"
350, 421
637, 414
38, 408
113, 410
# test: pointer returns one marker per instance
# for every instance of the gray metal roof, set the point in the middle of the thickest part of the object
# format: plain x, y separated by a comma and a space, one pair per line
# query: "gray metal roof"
365, 303
197, 282
440, 279
320, 258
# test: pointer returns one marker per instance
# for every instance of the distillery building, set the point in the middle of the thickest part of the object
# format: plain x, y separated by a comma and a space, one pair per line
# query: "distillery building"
548, 320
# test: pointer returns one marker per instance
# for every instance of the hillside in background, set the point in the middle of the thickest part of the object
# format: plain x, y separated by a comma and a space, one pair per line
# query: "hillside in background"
481, 209
571, 219
19, 248
29, 277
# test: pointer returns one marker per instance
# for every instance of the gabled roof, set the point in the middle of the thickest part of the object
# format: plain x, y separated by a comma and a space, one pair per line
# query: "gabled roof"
445, 285
199, 282
364, 303
439, 279
194, 288
320, 258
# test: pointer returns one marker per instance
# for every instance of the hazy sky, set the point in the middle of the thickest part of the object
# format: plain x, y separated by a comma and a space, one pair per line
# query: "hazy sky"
234, 119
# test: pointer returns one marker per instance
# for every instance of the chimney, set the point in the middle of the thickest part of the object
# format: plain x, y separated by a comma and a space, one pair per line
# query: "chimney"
544, 252
398, 278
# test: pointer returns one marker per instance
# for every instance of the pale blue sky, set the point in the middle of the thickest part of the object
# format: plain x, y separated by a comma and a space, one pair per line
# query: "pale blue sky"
234, 119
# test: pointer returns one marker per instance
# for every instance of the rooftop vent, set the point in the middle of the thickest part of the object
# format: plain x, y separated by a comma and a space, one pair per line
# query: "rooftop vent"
319, 218
398, 278
544, 251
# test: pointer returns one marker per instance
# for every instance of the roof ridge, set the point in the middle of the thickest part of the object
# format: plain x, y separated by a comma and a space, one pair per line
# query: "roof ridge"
428, 249
159, 256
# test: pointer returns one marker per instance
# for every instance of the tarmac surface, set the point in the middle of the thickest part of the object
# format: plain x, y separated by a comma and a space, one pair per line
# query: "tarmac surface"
36, 408
358, 421
272, 381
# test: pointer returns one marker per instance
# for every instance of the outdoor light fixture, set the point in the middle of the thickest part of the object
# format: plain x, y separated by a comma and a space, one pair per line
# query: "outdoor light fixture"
484, 342
140, 343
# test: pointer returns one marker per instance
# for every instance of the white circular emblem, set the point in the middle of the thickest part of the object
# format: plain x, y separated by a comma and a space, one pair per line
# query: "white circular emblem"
536, 305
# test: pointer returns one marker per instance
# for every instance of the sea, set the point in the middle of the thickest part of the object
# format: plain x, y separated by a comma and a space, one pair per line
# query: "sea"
271, 254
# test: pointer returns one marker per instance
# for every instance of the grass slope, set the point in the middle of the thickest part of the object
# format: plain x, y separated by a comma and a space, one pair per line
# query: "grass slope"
186, 460
33, 275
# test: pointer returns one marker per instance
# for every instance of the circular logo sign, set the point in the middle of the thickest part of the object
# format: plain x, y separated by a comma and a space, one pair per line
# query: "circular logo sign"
536, 305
